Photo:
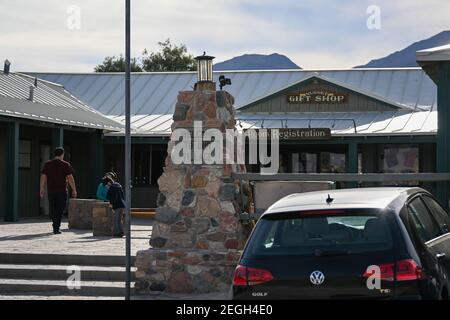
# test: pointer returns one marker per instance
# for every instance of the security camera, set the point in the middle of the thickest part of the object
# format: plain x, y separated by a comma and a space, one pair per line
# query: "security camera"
224, 81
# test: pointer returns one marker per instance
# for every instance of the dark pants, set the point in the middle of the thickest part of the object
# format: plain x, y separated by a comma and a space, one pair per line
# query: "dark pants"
57, 203
118, 226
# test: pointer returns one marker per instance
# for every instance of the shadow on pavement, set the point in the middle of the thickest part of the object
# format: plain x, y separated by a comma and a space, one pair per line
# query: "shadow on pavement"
26, 236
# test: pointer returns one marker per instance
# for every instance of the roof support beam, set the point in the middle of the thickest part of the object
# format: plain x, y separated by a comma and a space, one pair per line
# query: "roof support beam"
345, 177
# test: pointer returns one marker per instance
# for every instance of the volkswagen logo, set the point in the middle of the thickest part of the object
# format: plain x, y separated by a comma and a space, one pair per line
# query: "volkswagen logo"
317, 278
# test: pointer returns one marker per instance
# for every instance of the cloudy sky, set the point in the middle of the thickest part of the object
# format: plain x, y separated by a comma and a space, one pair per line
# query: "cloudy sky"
43, 35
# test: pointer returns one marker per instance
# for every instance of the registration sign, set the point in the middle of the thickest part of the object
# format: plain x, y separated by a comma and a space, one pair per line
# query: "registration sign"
297, 134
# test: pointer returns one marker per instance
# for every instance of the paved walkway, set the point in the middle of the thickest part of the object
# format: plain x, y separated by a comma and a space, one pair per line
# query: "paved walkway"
35, 236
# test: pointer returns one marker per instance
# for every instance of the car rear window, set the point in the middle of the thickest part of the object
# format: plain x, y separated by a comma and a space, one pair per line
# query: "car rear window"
320, 233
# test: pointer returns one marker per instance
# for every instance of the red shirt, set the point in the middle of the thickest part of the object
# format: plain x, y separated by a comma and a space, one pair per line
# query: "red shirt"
57, 171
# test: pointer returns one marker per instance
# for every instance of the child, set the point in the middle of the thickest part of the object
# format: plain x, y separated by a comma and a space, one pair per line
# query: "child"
116, 199
102, 189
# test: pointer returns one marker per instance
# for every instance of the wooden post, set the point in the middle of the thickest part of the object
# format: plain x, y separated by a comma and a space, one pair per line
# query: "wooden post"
96, 161
12, 176
351, 162
57, 139
443, 135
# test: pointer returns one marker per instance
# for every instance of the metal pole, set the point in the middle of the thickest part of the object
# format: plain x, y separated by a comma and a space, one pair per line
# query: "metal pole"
127, 152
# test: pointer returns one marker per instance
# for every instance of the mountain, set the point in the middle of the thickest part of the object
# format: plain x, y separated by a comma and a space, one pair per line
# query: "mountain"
407, 56
257, 62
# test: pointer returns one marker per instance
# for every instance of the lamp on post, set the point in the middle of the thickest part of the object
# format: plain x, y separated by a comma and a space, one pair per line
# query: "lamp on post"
205, 73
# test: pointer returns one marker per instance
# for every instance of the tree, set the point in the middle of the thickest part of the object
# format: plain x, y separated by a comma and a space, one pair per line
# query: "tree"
168, 58
117, 64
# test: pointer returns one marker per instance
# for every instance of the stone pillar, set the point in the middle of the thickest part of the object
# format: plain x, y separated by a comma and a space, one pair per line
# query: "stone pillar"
197, 235
80, 212
103, 219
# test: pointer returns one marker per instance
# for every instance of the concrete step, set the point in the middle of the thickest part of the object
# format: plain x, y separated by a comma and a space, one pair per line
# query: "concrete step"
60, 288
60, 272
63, 259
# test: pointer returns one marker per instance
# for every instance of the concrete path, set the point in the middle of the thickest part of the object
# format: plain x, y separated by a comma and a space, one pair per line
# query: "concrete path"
35, 236
32, 240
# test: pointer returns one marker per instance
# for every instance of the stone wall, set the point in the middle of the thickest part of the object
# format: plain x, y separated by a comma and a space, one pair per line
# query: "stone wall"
80, 213
197, 235
184, 271
103, 220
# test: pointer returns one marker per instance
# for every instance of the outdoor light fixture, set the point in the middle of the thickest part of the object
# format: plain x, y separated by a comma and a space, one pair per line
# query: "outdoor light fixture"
224, 81
204, 68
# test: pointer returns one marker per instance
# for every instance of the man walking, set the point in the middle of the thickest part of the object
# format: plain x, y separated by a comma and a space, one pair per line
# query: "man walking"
56, 174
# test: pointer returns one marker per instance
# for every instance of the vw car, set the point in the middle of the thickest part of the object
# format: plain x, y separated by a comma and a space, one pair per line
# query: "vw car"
368, 243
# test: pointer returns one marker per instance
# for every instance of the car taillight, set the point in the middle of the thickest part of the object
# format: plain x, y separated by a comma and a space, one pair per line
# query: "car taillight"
404, 270
250, 276
409, 270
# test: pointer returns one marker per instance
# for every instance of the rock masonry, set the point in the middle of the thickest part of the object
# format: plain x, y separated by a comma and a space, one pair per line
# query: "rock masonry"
197, 235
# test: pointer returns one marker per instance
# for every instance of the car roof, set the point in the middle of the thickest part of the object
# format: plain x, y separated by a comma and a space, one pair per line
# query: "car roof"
360, 198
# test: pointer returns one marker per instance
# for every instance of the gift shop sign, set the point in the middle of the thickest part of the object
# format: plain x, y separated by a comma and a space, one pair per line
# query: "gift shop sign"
317, 96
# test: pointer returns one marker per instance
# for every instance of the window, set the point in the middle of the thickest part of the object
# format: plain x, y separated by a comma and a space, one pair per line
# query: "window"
25, 154
439, 213
420, 219
400, 159
332, 162
304, 162
352, 232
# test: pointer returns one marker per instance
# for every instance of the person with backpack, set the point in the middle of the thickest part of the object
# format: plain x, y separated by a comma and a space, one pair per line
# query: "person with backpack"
102, 189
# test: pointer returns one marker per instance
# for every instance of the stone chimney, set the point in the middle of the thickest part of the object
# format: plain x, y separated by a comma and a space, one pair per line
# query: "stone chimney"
197, 235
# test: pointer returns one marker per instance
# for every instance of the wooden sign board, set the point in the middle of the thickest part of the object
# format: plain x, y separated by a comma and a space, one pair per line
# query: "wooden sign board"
298, 134
317, 96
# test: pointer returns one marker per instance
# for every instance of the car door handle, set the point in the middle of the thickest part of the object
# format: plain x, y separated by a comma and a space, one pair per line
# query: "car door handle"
440, 256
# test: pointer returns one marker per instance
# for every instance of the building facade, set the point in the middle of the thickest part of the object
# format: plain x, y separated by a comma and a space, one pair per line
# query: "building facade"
365, 120
37, 116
